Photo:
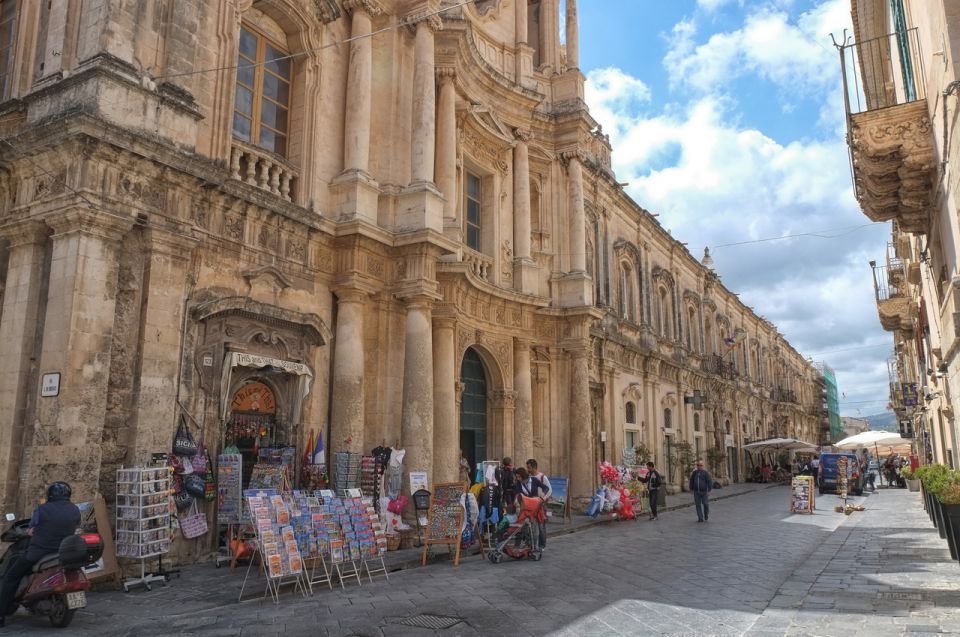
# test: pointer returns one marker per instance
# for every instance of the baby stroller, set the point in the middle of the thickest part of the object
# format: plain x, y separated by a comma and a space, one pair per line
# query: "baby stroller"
521, 539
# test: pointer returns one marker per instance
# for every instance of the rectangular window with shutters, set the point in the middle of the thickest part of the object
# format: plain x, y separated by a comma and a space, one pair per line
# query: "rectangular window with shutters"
474, 206
8, 37
262, 99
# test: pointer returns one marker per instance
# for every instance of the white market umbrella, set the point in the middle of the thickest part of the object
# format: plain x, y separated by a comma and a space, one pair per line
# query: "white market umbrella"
780, 444
872, 438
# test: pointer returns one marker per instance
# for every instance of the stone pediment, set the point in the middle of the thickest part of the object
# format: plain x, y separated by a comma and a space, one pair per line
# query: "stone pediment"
266, 283
498, 134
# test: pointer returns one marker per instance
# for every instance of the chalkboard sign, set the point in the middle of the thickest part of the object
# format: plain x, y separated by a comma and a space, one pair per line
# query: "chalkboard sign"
559, 501
229, 478
801, 495
445, 518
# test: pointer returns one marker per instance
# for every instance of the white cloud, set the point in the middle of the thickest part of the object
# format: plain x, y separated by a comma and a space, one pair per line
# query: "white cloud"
792, 53
725, 182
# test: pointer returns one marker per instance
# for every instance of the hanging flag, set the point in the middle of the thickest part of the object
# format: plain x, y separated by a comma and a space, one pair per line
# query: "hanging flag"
739, 335
308, 451
318, 449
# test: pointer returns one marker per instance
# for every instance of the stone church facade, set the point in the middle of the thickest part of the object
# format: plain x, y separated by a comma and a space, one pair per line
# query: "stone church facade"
390, 221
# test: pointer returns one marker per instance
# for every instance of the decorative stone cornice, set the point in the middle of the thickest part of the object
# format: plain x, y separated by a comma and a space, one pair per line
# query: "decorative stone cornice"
523, 135
372, 8
328, 11
109, 226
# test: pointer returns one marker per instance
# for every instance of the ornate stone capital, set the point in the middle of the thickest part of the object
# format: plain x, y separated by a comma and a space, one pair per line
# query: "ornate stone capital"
568, 156
25, 232
109, 226
372, 8
350, 295
175, 244
446, 74
424, 13
327, 10
522, 134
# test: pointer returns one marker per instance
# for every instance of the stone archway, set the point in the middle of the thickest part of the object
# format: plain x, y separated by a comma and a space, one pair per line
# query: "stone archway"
496, 357
473, 408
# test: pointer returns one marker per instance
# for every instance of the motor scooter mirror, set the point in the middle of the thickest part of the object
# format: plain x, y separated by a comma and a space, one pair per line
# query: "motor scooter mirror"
10, 517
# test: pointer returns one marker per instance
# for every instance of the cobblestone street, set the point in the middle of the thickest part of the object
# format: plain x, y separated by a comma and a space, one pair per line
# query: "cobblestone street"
753, 569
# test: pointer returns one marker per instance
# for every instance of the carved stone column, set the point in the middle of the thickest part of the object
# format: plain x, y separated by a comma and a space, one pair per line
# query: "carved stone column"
156, 403
356, 138
355, 191
77, 340
424, 102
447, 145
524, 64
581, 433
19, 322
523, 404
550, 26
446, 451
524, 274
573, 35
347, 398
416, 420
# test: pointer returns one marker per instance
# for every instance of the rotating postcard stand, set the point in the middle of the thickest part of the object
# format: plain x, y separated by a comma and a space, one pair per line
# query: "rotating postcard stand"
280, 560
143, 519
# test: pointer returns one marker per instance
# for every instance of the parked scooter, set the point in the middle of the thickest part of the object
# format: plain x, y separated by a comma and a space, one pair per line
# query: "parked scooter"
57, 585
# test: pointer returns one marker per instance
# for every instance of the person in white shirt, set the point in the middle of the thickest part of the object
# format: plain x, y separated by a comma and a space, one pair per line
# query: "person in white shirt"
542, 477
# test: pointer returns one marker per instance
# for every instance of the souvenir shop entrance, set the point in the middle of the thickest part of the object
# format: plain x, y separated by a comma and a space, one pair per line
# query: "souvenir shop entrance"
253, 424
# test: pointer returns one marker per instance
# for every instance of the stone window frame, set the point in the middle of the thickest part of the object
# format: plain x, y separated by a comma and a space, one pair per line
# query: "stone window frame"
630, 413
470, 177
488, 196
260, 71
626, 292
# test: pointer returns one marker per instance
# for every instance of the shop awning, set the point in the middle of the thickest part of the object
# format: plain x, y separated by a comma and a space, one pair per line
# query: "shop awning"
780, 444
239, 359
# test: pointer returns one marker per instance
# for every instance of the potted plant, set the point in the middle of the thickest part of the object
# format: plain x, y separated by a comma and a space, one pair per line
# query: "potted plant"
715, 459
683, 459
936, 478
949, 498
644, 454
913, 483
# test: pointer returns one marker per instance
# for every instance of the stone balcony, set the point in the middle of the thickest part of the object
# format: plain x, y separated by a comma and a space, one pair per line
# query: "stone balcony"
894, 164
895, 305
264, 170
890, 135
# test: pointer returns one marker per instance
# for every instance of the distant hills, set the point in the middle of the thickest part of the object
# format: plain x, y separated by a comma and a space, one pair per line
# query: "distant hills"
886, 421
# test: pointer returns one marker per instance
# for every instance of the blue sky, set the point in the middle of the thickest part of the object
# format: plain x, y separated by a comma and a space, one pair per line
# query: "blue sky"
726, 118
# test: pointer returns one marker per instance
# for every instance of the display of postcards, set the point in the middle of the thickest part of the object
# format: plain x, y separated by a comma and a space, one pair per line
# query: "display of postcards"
336, 551
355, 553
291, 547
283, 515
261, 513
286, 534
268, 535
295, 564
275, 565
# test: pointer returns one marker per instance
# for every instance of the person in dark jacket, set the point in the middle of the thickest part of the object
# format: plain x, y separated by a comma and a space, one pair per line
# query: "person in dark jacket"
51, 522
700, 486
654, 481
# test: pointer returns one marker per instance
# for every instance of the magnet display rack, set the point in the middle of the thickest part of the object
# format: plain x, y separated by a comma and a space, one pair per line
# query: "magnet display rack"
143, 519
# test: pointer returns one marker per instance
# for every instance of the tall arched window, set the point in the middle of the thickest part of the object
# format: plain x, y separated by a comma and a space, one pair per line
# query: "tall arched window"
262, 100
692, 328
667, 419
696, 422
726, 427
664, 311
631, 413
708, 346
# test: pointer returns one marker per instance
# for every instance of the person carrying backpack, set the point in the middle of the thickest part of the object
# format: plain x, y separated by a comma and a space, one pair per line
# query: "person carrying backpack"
653, 482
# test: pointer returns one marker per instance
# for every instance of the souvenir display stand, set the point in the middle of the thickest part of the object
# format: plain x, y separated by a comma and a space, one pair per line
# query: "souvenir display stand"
280, 563
143, 519
801, 495
445, 519
346, 474
229, 501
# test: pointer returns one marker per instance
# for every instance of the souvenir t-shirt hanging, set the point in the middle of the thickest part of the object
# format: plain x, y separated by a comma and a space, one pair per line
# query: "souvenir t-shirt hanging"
394, 475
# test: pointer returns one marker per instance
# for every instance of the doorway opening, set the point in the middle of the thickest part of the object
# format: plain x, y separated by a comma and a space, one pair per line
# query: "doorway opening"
473, 409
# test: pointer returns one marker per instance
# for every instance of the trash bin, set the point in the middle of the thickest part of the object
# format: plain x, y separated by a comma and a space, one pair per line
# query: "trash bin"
421, 508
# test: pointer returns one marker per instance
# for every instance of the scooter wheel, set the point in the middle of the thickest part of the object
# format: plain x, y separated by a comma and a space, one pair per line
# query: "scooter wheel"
60, 615
496, 557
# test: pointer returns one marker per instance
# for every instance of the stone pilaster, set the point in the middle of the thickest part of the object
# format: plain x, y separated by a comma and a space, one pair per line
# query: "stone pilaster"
523, 403
347, 421
576, 287
549, 24
416, 420
156, 405
446, 451
19, 323
573, 35
524, 268
447, 145
77, 338
524, 63
581, 433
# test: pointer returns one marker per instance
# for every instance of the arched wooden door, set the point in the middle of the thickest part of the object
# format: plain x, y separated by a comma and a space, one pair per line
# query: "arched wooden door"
473, 408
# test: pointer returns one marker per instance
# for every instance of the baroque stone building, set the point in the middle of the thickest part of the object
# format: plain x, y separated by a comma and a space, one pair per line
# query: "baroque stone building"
389, 221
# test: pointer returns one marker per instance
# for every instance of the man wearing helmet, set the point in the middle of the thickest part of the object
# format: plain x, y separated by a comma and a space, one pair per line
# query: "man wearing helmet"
52, 521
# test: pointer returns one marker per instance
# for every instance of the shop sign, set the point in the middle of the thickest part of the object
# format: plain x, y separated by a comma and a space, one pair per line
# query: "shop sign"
909, 393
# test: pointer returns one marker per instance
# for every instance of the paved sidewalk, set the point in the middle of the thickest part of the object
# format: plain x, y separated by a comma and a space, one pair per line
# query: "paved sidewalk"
885, 572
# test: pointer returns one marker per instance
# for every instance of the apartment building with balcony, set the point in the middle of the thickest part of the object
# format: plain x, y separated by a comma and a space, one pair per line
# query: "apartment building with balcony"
902, 99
